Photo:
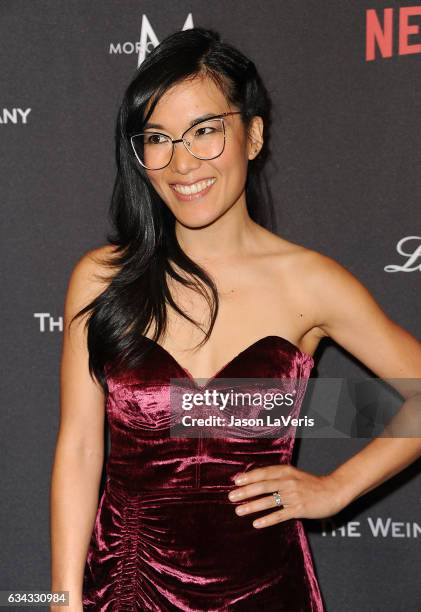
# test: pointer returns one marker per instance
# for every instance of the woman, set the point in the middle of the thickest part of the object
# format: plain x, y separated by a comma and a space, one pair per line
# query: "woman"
200, 288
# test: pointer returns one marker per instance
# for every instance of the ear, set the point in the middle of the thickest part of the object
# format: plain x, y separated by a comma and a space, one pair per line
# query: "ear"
255, 137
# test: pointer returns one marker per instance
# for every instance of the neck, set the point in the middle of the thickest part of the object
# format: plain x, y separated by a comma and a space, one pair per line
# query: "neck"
226, 237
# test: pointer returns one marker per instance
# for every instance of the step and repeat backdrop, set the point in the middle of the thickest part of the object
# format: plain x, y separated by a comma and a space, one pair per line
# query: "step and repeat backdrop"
345, 82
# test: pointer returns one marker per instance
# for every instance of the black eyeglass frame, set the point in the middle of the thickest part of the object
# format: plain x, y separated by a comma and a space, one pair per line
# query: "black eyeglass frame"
173, 142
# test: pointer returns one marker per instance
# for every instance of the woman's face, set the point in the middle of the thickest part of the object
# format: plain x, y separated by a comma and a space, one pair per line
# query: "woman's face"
175, 111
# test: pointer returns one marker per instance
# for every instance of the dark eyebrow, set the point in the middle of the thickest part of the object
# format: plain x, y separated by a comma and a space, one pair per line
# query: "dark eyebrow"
197, 120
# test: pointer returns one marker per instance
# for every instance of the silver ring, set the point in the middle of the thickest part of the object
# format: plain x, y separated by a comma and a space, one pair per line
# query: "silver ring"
277, 497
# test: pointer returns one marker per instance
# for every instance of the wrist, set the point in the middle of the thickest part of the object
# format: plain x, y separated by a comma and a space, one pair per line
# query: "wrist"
342, 490
74, 590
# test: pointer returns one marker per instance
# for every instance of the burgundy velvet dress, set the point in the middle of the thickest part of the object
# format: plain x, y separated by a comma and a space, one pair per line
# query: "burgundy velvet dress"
166, 536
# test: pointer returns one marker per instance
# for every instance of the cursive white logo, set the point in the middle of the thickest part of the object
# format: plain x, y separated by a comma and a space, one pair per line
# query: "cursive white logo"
413, 256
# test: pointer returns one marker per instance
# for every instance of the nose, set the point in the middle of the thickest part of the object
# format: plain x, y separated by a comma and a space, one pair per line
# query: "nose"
183, 161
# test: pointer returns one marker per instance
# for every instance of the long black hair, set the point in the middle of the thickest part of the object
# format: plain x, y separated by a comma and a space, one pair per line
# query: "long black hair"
137, 295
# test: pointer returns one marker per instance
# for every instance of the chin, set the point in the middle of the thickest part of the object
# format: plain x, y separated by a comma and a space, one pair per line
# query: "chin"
197, 219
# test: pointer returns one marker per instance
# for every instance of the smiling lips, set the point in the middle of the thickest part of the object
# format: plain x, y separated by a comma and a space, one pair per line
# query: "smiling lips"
195, 189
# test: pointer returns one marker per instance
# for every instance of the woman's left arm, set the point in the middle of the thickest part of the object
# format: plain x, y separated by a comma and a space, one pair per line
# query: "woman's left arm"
349, 314
354, 319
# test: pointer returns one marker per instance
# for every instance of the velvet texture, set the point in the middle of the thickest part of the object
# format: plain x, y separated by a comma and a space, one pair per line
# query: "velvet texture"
166, 536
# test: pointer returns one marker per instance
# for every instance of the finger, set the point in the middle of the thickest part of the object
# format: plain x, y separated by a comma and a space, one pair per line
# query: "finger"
251, 490
263, 503
273, 518
269, 472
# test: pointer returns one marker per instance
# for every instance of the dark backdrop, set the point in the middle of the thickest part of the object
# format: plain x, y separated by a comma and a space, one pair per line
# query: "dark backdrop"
346, 180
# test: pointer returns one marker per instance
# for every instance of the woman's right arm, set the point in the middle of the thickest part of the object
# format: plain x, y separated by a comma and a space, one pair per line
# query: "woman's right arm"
79, 453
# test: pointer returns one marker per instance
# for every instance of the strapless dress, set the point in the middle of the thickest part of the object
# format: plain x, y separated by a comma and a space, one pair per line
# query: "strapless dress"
166, 536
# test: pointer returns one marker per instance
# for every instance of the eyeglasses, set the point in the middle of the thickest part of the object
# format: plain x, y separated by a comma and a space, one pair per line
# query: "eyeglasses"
204, 140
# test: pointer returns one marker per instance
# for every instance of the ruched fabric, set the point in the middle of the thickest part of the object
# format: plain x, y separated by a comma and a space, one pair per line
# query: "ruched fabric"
166, 536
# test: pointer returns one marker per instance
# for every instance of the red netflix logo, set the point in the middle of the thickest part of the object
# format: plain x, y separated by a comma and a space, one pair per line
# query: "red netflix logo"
379, 32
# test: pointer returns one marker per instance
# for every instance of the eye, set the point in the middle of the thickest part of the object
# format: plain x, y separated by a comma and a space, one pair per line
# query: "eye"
202, 131
153, 139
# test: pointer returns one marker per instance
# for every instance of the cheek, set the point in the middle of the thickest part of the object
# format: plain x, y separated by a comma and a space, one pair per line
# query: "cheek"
233, 166
157, 183
231, 163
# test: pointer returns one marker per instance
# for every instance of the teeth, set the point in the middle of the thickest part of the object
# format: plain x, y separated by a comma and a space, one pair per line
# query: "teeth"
195, 188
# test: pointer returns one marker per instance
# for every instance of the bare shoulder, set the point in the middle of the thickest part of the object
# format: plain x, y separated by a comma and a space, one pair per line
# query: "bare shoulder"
325, 276
295, 258
90, 276
271, 243
348, 312
321, 279
99, 263
82, 407
315, 283
317, 266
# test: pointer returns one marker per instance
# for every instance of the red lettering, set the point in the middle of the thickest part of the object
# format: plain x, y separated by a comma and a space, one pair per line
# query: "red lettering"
375, 33
405, 30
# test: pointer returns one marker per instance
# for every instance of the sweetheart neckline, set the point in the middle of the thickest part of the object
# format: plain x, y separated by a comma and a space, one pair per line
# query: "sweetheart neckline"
190, 376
